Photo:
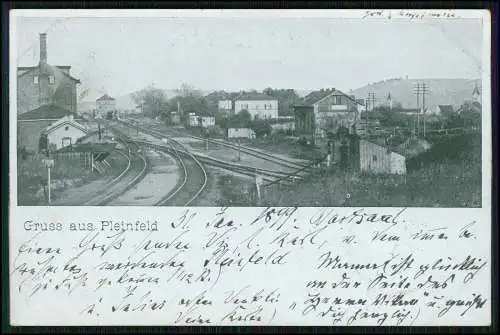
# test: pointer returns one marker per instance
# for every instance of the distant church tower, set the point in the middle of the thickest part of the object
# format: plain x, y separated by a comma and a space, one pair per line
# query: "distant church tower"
389, 100
476, 95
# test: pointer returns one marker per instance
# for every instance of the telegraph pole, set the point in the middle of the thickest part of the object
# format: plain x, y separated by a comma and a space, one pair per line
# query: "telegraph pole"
371, 100
371, 97
424, 92
417, 91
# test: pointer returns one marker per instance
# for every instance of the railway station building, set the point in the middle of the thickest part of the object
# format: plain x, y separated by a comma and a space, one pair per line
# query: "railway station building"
62, 133
32, 125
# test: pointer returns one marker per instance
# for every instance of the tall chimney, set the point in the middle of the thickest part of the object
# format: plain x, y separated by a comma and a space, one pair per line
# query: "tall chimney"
43, 48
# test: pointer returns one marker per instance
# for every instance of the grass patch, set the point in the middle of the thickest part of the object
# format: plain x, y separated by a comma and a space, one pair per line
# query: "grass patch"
449, 175
32, 177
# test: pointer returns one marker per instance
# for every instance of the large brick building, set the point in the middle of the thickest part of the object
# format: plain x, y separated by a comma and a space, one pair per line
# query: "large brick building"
45, 84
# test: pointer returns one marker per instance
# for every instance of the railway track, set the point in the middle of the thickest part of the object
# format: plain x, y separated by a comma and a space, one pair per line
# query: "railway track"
194, 176
267, 174
250, 151
192, 183
135, 170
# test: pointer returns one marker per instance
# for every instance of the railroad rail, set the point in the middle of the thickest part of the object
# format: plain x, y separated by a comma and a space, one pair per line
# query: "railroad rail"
250, 151
266, 174
194, 176
135, 171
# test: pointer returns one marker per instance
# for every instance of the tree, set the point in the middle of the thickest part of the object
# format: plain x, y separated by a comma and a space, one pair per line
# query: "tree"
152, 100
286, 99
221, 120
261, 127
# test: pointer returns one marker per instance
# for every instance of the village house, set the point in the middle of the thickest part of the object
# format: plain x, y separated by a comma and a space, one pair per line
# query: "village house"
206, 119
45, 84
225, 107
439, 110
325, 110
259, 105
33, 123
105, 105
62, 133
192, 119
222, 101
240, 133
473, 105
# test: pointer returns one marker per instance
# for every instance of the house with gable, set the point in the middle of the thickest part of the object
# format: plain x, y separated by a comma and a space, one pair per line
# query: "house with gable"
62, 133
32, 124
325, 111
104, 106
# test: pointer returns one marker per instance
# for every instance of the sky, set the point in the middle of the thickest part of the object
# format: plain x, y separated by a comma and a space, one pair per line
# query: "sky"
122, 55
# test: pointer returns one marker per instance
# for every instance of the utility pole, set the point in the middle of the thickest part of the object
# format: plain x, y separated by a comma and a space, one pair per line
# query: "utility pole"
425, 89
239, 150
371, 103
372, 98
417, 90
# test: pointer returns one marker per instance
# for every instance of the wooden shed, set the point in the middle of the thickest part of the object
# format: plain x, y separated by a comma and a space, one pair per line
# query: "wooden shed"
378, 158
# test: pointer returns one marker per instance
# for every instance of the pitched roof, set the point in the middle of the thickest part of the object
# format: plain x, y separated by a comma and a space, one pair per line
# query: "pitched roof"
105, 97
316, 96
47, 112
445, 108
254, 96
65, 121
48, 69
361, 101
89, 147
476, 90
218, 95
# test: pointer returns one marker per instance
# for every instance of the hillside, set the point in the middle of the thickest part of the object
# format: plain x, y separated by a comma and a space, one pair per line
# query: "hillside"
441, 91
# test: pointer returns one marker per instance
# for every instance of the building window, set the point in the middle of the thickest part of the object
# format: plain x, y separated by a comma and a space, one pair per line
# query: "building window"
66, 128
374, 158
66, 141
35, 80
52, 80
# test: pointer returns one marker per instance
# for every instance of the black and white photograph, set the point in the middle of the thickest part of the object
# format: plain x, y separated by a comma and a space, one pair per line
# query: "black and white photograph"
131, 111
251, 168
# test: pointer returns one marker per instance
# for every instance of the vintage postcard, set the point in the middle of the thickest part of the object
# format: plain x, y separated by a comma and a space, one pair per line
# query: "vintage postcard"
250, 167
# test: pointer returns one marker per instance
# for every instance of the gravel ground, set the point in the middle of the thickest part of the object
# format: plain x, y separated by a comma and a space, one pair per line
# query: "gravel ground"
161, 179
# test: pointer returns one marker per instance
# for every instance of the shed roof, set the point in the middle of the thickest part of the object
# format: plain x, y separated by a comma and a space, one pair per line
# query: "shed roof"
88, 147
47, 112
105, 97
